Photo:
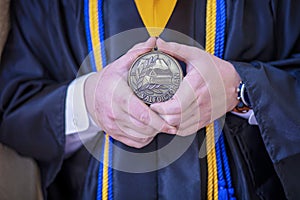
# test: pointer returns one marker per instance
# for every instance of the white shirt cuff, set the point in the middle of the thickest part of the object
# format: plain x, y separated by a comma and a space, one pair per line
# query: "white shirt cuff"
248, 115
76, 115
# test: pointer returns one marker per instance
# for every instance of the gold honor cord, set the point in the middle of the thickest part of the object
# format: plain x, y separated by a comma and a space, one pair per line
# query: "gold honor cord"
105, 168
93, 12
95, 35
212, 180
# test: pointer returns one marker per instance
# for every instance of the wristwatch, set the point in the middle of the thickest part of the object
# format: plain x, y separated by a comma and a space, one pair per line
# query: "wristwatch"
244, 103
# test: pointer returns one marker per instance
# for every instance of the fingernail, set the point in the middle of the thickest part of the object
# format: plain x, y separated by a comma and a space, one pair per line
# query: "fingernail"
155, 107
172, 130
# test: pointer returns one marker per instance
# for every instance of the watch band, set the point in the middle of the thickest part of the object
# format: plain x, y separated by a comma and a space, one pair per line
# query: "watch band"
244, 104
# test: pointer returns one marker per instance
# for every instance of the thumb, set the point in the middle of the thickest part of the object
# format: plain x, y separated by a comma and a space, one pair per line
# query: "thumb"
137, 50
180, 51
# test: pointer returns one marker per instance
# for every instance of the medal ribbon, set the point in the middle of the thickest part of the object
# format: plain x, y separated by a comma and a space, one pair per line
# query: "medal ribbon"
155, 15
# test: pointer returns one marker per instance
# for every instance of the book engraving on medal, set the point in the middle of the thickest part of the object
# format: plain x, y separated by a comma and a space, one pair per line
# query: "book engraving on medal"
155, 77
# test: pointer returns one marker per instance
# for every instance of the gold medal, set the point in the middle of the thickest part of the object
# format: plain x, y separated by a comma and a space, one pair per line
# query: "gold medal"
155, 77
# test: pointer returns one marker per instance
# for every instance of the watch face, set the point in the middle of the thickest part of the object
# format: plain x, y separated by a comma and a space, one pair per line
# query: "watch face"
244, 96
155, 77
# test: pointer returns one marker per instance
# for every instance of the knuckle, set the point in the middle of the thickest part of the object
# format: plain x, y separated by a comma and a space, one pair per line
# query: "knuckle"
110, 128
111, 115
142, 140
173, 121
145, 140
202, 125
138, 145
144, 117
121, 100
149, 132
129, 142
137, 124
181, 133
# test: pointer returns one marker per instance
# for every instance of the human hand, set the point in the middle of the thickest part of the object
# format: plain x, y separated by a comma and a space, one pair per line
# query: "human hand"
114, 107
206, 93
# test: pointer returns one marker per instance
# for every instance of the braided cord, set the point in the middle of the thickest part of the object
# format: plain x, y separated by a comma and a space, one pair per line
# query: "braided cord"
94, 25
218, 187
105, 169
107, 188
212, 181
110, 170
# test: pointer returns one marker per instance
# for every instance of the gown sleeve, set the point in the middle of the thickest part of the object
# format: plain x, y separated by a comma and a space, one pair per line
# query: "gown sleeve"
274, 92
36, 69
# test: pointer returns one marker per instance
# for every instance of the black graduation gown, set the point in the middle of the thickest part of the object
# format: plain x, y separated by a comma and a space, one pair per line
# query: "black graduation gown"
47, 44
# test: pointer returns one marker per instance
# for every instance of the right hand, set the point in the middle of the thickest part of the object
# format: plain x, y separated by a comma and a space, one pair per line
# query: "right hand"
114, 107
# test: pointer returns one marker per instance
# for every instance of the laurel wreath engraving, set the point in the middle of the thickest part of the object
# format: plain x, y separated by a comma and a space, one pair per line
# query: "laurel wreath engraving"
138, 79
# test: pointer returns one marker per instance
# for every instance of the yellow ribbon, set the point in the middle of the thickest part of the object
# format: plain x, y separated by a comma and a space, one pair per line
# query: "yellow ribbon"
155, 14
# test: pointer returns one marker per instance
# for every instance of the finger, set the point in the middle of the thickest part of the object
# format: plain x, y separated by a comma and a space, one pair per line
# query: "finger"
132, 135
137, 129
195, 121
202, 117
200, 110
139, 49
136, 143
179, 51
149, 44
182, 99
189, 130
177, 119
142, 113
192, 56
116, 131
191, 88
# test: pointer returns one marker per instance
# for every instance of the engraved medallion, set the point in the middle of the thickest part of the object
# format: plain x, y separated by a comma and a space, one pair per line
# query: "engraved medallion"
155, 77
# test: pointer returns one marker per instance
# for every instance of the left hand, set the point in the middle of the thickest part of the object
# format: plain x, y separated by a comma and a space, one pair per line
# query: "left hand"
206, 93
113, 106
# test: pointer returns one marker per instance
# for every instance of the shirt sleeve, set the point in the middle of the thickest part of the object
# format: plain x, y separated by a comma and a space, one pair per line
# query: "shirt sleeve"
248, 115
77, 117
78, 121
